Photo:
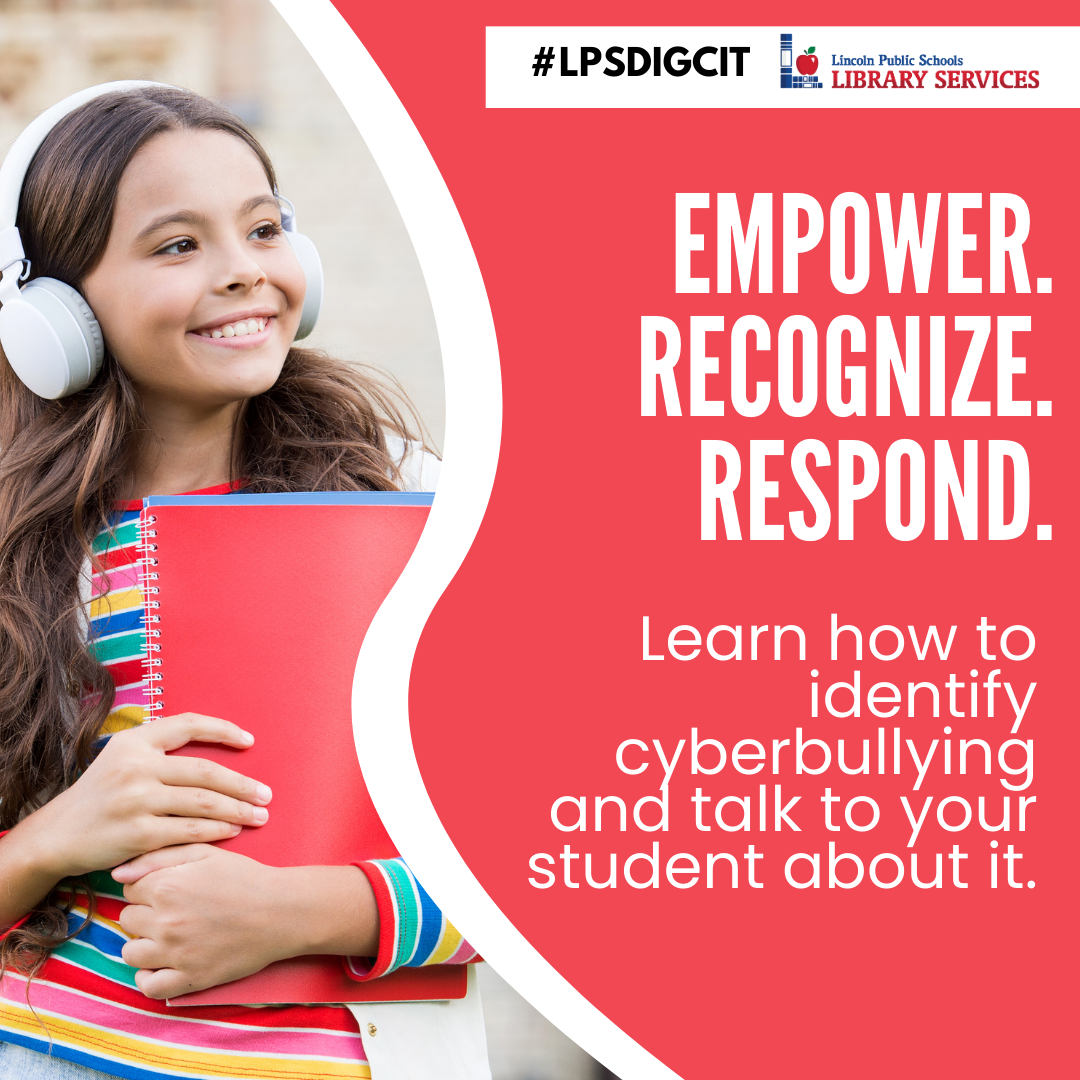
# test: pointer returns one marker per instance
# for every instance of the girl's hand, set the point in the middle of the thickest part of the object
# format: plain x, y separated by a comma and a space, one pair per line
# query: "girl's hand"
134, 798
204, 916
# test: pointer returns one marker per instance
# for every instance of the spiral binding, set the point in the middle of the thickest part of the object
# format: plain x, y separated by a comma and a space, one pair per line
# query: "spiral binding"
146, 535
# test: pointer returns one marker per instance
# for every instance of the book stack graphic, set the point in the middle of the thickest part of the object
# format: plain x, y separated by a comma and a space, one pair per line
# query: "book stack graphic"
789, 80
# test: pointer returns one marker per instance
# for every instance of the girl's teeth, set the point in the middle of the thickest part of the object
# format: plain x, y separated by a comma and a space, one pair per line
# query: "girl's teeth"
239, 329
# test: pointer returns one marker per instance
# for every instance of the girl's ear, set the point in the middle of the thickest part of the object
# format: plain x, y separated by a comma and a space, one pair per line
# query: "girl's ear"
49, 335
310, 263
47, 330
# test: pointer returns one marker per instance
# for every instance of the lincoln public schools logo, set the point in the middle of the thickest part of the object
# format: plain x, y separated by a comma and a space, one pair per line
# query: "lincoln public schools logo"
806, 64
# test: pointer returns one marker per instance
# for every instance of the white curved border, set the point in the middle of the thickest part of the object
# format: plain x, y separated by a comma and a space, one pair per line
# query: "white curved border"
473, 425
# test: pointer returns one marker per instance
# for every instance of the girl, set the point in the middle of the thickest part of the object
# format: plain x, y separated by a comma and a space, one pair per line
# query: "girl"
162, 210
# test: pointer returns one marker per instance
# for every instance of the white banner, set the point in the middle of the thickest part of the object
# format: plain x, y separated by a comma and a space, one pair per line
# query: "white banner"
769, 67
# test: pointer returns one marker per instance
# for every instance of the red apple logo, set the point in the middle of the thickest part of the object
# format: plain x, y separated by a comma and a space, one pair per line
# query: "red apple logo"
807, 63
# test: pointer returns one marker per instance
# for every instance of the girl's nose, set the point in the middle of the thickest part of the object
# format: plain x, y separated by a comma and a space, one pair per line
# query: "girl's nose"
242, 281
242, 272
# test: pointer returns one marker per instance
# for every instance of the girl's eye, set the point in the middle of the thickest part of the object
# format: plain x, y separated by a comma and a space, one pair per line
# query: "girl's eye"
178, 247
267, 231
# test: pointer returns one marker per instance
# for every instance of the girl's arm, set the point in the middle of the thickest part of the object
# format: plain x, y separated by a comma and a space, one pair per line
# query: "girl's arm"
200, 916
25, 879
133, 798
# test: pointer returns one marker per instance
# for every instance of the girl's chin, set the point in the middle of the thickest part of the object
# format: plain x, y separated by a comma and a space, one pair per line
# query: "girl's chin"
215, 388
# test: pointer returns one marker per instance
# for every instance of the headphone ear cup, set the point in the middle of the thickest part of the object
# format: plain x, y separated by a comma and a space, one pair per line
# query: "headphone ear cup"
311, 264
51, 339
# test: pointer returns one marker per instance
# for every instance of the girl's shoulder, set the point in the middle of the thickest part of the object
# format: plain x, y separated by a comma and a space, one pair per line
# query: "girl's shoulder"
418, 468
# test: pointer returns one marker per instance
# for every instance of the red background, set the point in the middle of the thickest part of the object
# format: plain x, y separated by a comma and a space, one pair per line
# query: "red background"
529, 672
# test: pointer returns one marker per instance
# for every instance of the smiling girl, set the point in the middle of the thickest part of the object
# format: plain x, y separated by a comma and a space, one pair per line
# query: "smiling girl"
162, 210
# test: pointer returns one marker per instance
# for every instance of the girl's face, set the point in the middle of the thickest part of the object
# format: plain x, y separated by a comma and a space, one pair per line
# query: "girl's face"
199, 293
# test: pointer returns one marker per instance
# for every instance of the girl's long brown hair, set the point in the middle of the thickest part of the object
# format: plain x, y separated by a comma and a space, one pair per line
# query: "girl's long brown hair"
65, 464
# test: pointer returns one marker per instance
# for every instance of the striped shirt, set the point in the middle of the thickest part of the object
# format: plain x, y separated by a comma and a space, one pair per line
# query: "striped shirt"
85, 1007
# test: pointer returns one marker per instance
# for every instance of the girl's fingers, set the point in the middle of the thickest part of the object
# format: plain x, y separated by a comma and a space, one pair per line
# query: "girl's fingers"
173, 831
130, 872
143, 952
165, 983
135, 920
172, 732
198, 802
203, 773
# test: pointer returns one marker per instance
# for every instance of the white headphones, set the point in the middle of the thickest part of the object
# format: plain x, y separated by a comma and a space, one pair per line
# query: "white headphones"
48, 332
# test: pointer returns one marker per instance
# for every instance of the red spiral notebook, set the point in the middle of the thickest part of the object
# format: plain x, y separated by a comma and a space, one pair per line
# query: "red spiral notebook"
262, 604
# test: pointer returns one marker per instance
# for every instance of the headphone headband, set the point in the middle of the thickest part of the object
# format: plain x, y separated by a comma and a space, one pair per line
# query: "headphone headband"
13, 171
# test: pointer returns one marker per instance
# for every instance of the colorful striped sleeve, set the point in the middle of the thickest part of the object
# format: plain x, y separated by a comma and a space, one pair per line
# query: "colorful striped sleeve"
413, 932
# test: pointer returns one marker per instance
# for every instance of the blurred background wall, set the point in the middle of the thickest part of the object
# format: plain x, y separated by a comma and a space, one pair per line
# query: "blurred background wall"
377, 308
